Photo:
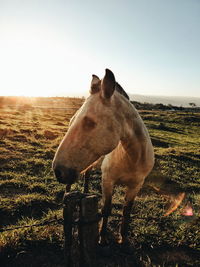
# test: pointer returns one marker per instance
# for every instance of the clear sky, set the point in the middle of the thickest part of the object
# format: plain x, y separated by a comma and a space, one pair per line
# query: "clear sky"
51, 47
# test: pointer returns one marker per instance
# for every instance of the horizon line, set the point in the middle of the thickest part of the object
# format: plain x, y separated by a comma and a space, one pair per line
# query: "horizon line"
84, 96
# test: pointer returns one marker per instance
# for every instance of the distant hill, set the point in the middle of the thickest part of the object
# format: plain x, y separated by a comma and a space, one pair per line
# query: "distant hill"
172, 100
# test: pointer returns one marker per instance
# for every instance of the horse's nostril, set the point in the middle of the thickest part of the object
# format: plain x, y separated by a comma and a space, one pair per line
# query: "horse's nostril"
58, 173
65, 175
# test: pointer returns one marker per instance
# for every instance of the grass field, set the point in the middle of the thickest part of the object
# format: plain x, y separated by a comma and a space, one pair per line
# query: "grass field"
29, 193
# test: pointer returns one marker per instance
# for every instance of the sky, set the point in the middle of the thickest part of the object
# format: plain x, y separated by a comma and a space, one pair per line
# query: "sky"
52, 47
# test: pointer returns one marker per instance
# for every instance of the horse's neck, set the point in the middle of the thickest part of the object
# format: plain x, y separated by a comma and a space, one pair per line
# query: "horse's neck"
135, 137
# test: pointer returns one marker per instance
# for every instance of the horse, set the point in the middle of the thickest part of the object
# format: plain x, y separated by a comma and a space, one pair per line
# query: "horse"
107, 127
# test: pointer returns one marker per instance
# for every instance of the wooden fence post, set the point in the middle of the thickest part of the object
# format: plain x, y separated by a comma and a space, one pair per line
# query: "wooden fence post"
87, 228
70, 201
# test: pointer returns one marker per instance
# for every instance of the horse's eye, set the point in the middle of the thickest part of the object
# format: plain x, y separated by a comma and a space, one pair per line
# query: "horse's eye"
88, 123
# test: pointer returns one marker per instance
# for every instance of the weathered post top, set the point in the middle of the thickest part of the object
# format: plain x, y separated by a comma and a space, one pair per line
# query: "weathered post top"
74, 196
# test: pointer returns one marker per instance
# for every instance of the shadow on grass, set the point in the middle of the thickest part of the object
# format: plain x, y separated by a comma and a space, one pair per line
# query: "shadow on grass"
33, 254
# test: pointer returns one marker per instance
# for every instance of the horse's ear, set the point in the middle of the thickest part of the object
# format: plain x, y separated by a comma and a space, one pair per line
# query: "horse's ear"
108, 84
95, 84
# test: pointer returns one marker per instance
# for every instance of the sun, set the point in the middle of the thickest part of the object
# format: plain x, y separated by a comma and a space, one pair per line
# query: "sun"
25, 68
34, 61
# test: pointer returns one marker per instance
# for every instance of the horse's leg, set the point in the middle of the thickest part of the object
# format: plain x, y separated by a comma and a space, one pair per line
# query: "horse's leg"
107, 190
129, 199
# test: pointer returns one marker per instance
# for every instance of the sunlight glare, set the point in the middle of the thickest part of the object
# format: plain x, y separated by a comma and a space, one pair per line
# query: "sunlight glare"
36, 61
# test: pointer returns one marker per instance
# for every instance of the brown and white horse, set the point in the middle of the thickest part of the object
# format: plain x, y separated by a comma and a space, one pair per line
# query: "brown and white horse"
107, 125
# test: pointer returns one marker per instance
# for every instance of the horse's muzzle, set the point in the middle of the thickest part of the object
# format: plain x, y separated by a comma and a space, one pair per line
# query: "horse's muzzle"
65, 175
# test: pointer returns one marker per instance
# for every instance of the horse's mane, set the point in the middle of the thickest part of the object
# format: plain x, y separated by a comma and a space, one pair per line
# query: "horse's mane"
121, 90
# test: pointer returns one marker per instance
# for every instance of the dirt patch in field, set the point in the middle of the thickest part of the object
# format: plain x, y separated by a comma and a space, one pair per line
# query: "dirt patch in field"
26, 131
6, 132
50, 135
60, 124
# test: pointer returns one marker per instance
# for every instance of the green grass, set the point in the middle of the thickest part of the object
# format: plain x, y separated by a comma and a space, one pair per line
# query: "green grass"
30, 194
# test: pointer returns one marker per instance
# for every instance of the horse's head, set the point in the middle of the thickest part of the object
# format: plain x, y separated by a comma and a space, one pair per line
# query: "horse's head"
94, 131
